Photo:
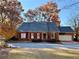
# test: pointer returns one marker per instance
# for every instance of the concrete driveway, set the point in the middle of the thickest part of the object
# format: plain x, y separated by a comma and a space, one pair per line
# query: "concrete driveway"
74, 45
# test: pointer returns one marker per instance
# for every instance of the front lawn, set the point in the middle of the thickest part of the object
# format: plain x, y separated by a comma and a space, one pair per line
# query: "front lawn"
45, 53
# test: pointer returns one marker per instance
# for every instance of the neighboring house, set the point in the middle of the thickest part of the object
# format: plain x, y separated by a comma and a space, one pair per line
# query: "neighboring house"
44, 31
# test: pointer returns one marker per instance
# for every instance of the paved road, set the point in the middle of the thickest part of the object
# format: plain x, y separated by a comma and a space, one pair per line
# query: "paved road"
46, 45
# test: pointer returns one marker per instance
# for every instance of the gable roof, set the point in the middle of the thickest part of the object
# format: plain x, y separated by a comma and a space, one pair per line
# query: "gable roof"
38, 27
65, 29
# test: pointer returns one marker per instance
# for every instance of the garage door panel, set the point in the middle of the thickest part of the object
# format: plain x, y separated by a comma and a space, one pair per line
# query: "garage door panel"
65, 37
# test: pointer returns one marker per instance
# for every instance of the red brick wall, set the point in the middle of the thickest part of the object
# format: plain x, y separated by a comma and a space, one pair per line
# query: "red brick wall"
41, 37
57, 36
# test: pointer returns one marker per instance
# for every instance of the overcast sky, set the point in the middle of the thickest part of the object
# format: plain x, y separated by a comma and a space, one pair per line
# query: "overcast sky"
64, 15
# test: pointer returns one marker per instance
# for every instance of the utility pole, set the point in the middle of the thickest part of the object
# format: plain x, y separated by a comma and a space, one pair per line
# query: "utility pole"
48, 25
78, 29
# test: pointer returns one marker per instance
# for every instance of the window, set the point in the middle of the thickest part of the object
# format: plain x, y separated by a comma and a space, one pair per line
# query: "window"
38, 35
23, 35
32, 35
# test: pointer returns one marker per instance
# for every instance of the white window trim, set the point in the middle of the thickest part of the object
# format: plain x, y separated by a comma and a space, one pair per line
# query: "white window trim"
23, 35
32, 35
38, 35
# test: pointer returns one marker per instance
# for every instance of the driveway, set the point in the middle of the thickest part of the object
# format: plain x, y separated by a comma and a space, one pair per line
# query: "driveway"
74, 45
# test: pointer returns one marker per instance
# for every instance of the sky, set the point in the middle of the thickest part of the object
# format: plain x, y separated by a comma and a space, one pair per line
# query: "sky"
65, 14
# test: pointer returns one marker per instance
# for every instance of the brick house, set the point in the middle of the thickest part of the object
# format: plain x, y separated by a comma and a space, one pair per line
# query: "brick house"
43, 31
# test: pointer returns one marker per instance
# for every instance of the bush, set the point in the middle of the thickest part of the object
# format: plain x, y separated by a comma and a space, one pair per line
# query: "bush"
52, 40
2, 43
36, 40
75, 39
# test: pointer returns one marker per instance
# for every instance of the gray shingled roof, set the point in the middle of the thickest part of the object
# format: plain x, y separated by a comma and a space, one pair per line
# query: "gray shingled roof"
65, 29
38, 27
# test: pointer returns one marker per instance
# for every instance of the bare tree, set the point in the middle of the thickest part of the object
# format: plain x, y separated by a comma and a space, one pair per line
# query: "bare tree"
75, 25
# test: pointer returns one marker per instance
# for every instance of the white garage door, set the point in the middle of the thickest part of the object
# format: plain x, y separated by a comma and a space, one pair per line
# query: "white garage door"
65, 37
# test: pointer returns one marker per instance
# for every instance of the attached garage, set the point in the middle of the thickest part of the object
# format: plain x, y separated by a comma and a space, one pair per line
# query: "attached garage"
65, 37
66, 34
